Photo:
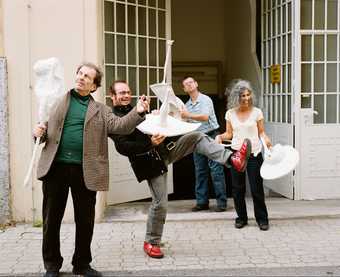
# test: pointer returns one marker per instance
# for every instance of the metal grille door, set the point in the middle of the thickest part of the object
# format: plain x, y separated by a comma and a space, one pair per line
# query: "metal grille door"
277, 86
135, 33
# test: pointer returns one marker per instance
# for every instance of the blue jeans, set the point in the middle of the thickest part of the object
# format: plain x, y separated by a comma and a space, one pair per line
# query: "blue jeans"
256, 187
202, 166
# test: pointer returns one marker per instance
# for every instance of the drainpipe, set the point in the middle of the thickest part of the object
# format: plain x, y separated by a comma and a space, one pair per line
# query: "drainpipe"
29, 32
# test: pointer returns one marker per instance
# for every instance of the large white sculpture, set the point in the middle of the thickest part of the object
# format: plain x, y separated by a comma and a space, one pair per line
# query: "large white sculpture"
163, 123
278, 161
49, 88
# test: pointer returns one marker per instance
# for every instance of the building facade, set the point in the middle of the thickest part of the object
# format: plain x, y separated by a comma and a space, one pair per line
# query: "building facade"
288, 49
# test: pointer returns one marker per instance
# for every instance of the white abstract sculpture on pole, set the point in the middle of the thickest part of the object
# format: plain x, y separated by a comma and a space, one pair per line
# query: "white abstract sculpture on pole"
49, 89
163, 123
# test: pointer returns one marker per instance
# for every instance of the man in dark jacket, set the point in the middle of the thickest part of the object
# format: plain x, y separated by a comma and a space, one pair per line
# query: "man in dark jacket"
150, 155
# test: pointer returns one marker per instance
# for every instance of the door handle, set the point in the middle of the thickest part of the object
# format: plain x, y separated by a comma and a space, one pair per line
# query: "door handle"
308, 116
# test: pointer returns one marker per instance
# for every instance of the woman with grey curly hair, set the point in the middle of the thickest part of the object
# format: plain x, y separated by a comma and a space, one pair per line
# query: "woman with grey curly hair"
245, 121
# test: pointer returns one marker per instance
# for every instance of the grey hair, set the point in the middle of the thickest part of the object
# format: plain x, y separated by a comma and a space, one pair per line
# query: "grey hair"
234, 91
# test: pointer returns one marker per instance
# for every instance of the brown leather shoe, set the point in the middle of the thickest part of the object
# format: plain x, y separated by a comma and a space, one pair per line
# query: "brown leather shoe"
239, 159
199, 207
153, 251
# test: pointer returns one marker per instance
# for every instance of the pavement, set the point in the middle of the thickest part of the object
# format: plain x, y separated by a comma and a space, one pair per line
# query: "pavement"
303, 240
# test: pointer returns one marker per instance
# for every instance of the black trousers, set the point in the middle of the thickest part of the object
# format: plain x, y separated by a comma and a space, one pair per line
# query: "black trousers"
256, 187
56, 185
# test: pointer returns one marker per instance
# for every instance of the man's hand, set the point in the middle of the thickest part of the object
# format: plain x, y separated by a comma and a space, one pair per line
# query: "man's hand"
143, 104
184, 113
39, 130
157, 139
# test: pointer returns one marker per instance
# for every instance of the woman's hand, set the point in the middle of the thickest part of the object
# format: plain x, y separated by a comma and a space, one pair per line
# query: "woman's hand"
219, 139
266, 140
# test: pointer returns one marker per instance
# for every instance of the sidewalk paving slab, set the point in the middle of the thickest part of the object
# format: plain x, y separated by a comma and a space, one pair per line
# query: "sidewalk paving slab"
303, 240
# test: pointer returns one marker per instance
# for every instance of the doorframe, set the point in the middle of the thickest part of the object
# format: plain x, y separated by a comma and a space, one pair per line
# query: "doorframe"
296, 98
253, 13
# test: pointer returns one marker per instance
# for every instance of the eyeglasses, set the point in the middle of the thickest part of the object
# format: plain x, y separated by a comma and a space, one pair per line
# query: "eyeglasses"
123, 92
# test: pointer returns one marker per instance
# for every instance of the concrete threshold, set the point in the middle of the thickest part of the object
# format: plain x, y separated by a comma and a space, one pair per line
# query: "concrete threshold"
180, 210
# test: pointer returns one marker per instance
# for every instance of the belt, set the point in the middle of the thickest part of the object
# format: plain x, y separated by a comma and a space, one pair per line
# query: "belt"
171, 145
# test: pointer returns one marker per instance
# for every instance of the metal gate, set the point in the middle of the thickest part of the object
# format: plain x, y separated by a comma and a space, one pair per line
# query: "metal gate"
135, 34
278, 55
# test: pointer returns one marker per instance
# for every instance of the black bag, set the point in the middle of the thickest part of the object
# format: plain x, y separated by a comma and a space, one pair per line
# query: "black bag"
148, 165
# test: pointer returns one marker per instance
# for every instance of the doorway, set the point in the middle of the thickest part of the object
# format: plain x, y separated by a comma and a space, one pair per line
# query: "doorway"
214, 46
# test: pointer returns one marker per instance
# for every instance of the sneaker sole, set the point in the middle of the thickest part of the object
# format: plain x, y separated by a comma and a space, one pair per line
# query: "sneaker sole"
154, 257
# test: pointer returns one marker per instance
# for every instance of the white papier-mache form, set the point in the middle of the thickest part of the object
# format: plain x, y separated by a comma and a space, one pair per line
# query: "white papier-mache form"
49, 89
163, 123
49, 85
278, 161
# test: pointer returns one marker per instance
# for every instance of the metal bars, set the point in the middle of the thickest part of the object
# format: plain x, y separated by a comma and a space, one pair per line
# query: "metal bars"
135, 40
277, 49
320, 37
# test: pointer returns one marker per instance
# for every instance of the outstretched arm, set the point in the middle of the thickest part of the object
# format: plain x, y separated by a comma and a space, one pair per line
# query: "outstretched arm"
227, 135
198, 117
262, 134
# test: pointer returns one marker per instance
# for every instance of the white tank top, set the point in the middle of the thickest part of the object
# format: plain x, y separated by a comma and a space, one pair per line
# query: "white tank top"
245, 129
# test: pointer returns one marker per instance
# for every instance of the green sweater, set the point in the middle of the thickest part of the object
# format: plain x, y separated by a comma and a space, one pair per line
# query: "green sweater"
71, 143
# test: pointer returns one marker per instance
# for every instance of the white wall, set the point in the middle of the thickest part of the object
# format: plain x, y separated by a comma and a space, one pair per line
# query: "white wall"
240, 42
1, 31
36, 29
216, 30
199, 30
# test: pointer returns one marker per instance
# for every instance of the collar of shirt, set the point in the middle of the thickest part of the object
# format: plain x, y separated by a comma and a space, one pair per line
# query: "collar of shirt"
197, 100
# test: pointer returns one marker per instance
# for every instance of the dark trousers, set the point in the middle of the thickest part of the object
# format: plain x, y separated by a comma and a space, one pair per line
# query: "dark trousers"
256, 187
56, 185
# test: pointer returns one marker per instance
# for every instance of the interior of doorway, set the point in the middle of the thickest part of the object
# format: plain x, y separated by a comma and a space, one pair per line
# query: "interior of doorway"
206, 32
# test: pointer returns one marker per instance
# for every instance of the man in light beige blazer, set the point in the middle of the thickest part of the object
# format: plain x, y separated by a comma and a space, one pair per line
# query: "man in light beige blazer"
75, 156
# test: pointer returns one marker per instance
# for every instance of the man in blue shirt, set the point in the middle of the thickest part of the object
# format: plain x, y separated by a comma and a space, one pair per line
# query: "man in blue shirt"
200, 108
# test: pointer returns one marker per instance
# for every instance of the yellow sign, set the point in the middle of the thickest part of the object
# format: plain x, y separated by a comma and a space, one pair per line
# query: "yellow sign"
275, 73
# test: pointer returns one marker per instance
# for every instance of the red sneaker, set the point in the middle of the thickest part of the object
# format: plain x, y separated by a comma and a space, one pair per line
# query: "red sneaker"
153, 250
239, 159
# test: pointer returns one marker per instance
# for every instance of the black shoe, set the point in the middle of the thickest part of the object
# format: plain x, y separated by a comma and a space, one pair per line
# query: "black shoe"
240, 223
198, 208
50, 273
220, 209
86, 272
264, 226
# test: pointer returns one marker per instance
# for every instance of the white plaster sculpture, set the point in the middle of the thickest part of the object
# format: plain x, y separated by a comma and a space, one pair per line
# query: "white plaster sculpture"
163, 123
278, 161
49, 89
